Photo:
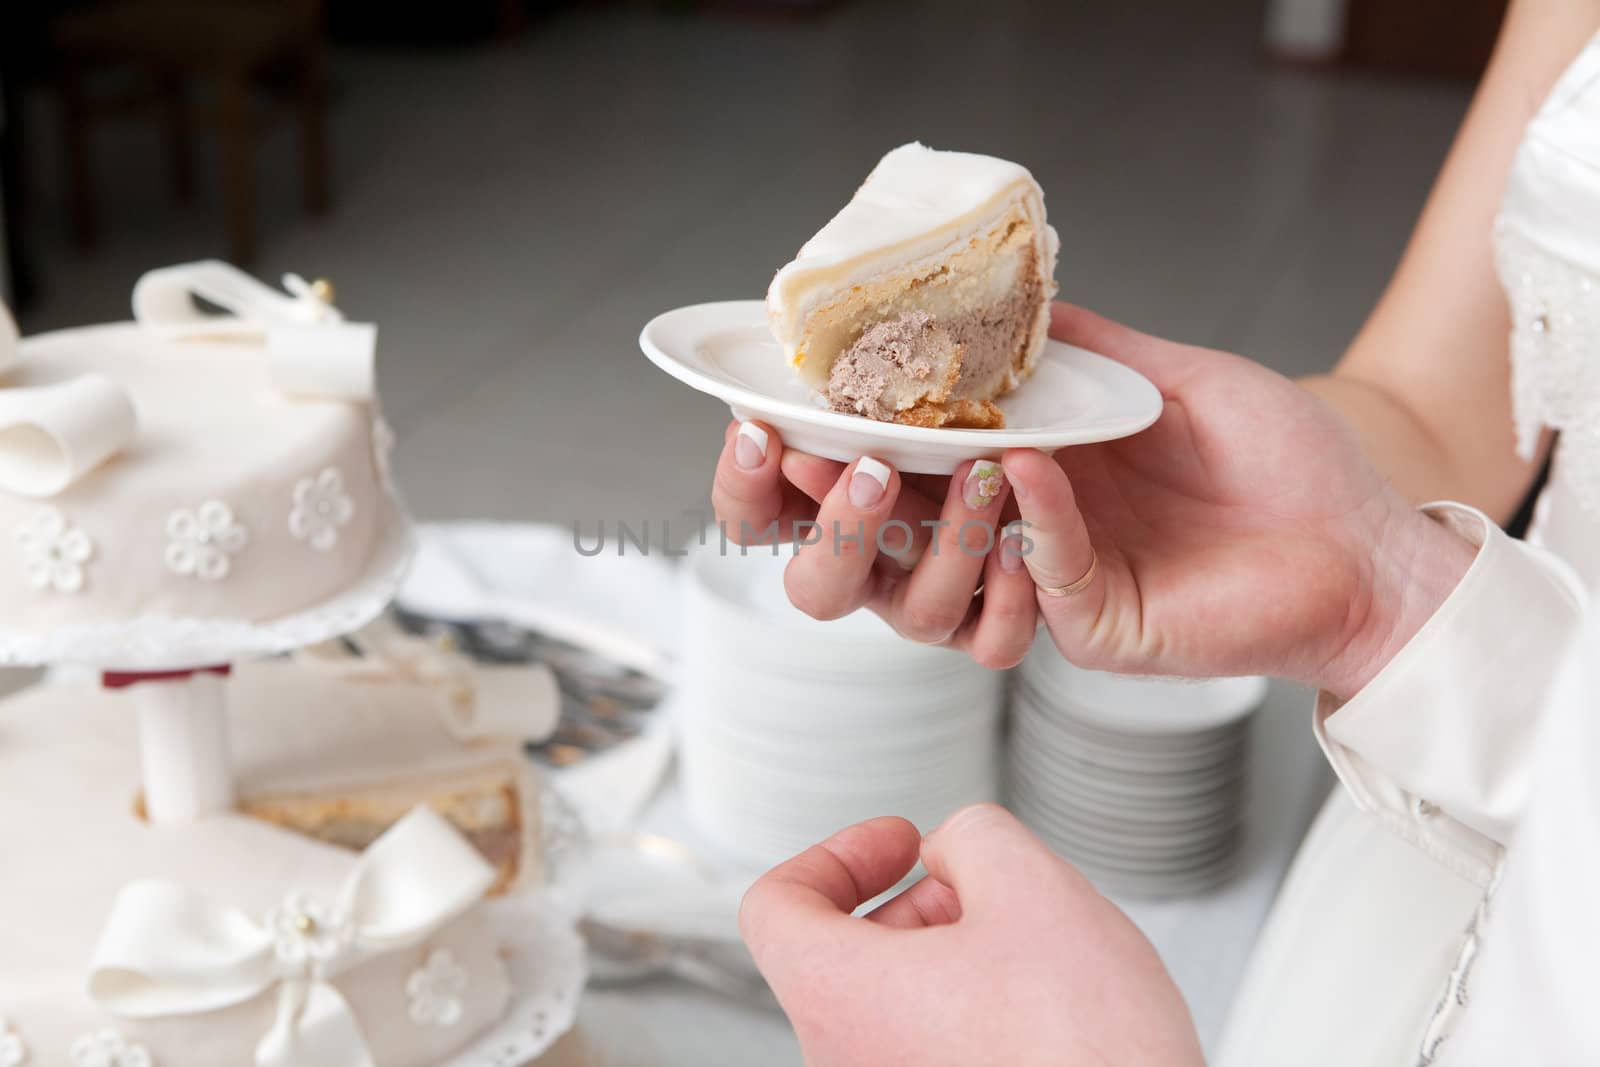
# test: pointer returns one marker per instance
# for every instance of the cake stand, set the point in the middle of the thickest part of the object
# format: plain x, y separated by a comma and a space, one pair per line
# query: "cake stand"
187, 411
174, 670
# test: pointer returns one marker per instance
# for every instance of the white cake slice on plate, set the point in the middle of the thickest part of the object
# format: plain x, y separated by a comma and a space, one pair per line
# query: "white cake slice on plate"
928, 296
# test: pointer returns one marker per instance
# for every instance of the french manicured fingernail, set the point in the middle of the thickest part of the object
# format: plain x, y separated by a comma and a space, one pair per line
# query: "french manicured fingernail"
750, 447
869, 482
1011, 555
1018, 490
984, 484
960, 817
1011, 549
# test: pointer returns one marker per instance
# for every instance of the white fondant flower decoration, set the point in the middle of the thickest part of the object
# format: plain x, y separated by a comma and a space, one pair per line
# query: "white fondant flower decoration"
108, 1048
54, 553
435, 990
321, 507
383, 450
201, 540
306, 934
13, 1053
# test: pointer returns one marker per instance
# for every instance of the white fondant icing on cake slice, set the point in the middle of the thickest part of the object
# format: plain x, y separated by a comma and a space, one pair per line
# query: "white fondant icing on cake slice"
917, 204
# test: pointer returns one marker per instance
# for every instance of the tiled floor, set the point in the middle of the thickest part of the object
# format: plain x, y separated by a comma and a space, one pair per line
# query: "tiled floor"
512, 215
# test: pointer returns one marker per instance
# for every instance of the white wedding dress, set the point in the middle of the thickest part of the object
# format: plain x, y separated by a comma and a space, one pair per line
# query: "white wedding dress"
1445, 907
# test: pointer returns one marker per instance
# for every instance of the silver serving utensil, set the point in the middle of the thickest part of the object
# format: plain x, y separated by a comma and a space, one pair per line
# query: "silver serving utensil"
724, 966
621, 952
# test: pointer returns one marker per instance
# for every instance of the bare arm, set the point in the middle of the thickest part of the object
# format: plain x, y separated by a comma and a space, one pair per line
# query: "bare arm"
1427, 381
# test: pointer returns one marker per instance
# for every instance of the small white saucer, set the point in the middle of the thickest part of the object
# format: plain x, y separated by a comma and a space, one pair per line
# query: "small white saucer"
1074, 397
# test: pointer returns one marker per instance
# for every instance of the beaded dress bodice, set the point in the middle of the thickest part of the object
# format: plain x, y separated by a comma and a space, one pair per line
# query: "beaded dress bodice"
1547, 250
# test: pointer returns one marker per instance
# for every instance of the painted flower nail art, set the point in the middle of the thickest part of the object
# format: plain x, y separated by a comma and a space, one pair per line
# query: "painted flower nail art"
983, 485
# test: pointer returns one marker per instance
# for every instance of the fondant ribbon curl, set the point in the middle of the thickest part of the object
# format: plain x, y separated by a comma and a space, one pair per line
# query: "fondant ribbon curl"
474, 701
168, 950
311, 349
52, 435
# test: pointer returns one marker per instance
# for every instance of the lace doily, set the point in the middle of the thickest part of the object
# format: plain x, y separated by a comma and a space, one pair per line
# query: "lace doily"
547, 967
1555, 358
163, 642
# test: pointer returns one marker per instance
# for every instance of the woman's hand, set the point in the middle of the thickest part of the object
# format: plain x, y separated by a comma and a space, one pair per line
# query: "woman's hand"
938, 539
1002, 954
1245, 532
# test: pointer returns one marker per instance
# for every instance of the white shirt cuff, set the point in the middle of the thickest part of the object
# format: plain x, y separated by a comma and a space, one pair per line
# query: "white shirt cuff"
1438, 744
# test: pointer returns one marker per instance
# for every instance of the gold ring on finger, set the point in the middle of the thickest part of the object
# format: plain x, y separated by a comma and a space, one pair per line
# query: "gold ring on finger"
1074, 588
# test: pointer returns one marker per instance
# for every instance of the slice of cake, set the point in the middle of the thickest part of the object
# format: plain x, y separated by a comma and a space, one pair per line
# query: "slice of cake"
928, 296
340, 747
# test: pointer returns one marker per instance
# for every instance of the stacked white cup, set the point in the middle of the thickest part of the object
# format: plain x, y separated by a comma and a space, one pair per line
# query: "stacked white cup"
1138, 781
793, 728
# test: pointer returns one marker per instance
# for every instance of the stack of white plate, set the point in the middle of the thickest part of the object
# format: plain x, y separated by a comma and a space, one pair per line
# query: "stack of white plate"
792, 728
1138, 781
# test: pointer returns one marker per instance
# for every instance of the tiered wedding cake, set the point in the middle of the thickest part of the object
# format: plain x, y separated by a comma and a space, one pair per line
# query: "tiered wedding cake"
180, 496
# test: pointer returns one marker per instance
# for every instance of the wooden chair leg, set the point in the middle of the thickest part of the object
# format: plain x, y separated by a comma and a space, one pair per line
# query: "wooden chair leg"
75, 146
314, 162
233, 98
179, 136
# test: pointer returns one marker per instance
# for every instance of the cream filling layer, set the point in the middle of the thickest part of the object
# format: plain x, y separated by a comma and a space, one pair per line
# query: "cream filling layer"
811, 280
985, 269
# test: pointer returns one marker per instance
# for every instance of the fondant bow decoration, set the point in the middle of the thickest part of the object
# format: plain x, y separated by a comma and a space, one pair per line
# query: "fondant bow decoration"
51, 435
474, 700
170, 951
311, 349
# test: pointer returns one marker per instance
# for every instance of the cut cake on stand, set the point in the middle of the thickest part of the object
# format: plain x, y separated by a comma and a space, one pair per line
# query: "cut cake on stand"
179, 497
